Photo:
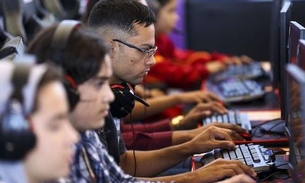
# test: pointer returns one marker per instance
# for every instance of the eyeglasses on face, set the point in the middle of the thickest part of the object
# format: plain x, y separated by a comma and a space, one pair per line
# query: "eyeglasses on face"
149, 52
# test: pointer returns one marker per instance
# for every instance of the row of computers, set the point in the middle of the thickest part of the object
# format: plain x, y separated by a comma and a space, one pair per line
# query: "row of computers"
247, 89
288, 65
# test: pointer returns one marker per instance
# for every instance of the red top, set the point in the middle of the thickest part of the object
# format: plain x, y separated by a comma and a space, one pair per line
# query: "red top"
147, 136
179, 68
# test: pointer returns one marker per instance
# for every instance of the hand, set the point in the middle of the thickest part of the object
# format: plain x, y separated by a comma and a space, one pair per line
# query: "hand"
241, 178
209, 139
220, 169
190, 121
238, 60
232, 130
198, 96
215, 67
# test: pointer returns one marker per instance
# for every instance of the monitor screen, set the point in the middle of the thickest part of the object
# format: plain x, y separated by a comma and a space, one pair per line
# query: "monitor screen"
285, 14
296, 121
296, 32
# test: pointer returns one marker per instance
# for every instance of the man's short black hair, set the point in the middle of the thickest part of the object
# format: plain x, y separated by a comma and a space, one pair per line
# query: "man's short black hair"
120, 14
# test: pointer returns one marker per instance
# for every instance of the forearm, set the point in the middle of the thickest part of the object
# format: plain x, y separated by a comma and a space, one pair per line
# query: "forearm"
161, 160
157, 105
179, 137
185, 178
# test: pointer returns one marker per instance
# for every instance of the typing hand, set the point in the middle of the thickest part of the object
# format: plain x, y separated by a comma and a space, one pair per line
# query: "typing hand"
238, 60
242, 178
232, 130
215, 67
201, 110
211, 138
220, 169
198, 96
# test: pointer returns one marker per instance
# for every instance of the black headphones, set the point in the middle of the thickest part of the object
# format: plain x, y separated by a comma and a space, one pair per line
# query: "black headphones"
124, 100
16, 136
59, 43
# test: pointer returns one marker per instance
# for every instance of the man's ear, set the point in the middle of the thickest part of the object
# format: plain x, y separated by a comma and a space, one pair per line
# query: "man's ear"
112, 48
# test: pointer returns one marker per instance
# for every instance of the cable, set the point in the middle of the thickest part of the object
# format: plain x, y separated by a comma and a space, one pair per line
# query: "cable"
275, 174
133, 148
254, 134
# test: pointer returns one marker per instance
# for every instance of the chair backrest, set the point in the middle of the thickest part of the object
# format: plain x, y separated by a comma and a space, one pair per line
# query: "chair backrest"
25, 18
13, 17
13, 48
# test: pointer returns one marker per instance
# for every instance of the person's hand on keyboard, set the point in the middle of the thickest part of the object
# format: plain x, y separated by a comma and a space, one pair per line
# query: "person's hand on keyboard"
211, 138
233, 130
201, 110
215, 67
221, 169
238, 60
241, 178
198, 96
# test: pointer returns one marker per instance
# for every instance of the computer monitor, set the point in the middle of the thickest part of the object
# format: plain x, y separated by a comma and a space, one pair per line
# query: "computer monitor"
301, 54
295, 122
296, 32
285, 14
275, 42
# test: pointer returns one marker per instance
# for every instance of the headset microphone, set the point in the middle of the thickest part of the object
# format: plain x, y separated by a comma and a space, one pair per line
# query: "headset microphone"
139, 99
124, 100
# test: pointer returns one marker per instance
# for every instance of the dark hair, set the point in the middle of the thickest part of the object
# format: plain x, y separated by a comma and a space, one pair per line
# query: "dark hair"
82, 57
121, 15
156, 5
89, 7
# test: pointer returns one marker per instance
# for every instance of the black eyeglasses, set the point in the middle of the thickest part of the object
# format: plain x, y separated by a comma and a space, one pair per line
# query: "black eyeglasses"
149, 52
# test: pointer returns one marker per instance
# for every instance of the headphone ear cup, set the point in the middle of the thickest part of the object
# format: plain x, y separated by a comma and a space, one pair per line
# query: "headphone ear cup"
123, 103
16, 137
73, 95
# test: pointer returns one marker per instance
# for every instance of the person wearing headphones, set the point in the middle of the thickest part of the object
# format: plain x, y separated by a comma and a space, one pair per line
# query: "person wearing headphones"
131, 41
177, 67
36, 136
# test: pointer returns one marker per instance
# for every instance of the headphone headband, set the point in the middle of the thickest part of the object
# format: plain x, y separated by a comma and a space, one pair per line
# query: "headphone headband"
59, 43
62, 34
20, 77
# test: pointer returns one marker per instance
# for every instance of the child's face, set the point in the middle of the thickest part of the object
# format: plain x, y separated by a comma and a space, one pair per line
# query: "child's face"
53, 153
167, 18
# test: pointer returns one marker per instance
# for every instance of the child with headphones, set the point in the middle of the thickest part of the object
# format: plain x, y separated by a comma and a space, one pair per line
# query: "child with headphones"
177, 67
36, 137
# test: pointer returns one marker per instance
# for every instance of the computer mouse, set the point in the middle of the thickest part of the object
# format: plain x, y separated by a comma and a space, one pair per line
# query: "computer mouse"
246, 136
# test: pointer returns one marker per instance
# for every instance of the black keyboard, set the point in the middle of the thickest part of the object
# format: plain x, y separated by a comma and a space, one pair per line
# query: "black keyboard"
255, 156
245, 71
232, 117
237, 90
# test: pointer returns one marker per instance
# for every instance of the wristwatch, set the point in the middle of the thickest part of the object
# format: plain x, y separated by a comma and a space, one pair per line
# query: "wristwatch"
175, 122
